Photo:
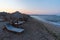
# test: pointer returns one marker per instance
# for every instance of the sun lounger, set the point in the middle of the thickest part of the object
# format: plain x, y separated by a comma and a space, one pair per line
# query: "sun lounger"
13, 29
20, 22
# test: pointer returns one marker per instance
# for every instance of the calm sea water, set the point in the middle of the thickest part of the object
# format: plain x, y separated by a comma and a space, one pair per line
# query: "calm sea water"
55, 19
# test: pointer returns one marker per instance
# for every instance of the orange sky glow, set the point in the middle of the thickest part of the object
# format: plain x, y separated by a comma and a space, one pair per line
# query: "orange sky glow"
26, 11
30, 6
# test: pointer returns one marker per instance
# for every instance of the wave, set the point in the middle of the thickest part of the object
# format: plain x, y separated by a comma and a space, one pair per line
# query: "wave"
42, 19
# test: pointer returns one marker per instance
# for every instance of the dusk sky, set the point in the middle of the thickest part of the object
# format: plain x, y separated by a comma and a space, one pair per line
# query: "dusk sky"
31, 6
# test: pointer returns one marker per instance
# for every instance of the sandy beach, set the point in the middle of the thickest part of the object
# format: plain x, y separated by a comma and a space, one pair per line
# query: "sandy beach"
34, 30
50, 26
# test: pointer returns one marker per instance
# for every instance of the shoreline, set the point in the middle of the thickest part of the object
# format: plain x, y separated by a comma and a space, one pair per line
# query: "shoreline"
56, 24
50, 26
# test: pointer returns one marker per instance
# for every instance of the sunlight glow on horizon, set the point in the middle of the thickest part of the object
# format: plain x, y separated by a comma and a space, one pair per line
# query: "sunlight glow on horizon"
10, 10
30, 6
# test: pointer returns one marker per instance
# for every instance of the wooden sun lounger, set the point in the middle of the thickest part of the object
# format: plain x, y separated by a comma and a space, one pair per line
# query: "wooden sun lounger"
13, 29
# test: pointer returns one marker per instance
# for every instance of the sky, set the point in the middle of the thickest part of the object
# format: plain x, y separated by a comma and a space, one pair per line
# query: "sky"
31, 6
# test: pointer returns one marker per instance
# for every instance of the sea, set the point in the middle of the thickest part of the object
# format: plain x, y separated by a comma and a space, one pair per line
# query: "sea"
53, 19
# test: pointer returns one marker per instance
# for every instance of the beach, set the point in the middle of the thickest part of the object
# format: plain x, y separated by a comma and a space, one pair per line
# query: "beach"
34, 30
51, 26
55, 27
